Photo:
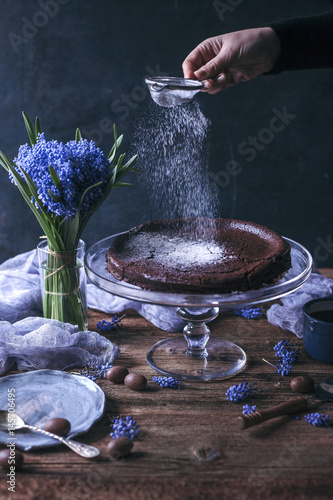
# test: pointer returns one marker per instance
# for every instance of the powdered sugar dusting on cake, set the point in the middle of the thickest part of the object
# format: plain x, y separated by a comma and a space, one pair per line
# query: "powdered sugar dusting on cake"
175, 252
251, 228
188, 253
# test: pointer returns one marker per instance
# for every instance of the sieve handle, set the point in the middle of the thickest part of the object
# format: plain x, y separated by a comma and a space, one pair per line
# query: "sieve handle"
157, 87
288, 408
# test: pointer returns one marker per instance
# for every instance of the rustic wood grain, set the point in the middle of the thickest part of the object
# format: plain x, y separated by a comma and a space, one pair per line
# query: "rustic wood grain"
190, 447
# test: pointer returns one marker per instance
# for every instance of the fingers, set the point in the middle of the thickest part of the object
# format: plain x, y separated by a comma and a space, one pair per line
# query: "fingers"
207, 63
202, 55
192, 62
211, 85
215, 85
211, 69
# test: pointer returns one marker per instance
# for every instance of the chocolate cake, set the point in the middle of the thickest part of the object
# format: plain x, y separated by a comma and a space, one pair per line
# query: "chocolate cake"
166, 255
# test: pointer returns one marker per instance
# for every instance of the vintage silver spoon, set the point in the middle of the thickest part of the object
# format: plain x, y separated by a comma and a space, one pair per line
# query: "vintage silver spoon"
11, 421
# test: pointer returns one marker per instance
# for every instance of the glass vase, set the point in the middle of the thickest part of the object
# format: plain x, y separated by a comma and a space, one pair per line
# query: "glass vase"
63, 284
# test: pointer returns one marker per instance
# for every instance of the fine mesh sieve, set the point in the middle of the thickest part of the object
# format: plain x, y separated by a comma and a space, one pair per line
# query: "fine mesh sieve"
169, 91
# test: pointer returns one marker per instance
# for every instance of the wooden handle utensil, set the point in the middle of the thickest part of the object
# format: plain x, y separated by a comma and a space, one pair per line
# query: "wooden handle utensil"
293, 406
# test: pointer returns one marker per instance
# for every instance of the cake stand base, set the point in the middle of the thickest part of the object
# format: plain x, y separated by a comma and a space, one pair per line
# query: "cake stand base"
222, 359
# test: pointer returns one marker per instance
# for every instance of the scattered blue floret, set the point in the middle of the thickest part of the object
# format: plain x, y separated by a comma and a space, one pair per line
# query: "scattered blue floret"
250, 312
317, 419
168, 382
241, 391
288, 356
248, 409
108, 326
124, 427
96, 371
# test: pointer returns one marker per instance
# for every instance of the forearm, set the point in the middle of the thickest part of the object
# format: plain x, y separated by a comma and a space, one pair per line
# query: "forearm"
305, 43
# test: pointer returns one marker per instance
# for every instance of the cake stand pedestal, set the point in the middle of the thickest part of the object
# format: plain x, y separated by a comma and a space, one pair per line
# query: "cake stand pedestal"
196, 356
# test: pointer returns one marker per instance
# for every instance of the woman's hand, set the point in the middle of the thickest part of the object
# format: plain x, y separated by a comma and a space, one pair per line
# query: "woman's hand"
225, 60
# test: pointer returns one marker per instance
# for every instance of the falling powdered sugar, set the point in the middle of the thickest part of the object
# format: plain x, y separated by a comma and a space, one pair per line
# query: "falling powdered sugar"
172, 144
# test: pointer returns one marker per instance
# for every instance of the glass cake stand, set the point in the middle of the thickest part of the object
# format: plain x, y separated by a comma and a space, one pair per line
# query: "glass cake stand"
196, 356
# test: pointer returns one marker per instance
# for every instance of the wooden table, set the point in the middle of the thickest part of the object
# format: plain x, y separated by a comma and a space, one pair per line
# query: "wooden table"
182, 430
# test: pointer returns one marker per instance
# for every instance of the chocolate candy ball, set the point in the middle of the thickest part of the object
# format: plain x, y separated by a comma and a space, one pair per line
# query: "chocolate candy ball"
59, 426
135, 381
302, 384
116, 374
11, 458
120, 447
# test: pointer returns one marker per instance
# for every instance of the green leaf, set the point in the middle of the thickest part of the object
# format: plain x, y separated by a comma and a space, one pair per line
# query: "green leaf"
3, 162
85, 218
38, 127
119, 165
32, 188
54, 196
131, 162
78, 135
113, 176
30, 128
123, 169
114, 150
10, 166
72, 236
55, 177
86, 191
122, 184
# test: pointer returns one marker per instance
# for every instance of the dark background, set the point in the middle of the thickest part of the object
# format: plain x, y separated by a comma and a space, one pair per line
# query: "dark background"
84, 65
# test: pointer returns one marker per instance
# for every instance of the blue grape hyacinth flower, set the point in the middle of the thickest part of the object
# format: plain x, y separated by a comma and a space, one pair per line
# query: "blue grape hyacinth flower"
124, 427
318, 419
248, 409
108, 326
75, 166
241, 391
288, 356
250, 312
168, 382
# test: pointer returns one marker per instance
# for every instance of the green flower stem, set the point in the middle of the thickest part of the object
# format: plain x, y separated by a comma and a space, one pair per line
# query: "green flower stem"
63, 296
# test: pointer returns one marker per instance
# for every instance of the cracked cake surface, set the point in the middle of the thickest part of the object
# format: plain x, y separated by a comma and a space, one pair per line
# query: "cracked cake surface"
170, 255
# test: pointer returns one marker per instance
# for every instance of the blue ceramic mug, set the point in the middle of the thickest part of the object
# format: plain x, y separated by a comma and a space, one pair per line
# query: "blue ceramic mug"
318, 329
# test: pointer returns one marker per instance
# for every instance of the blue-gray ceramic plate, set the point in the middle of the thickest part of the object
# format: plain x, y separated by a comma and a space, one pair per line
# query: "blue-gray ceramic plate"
44, 394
